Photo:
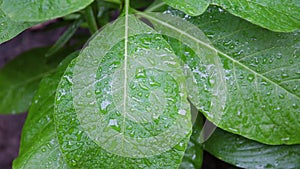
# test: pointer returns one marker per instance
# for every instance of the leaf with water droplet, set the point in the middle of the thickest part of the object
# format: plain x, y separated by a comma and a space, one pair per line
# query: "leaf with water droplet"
191, 7
246, 153
138, 116
39, 145
10, 28
280, 16
255, 97
41, 10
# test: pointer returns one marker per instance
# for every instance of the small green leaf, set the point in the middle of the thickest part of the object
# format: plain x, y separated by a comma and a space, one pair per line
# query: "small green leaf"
191, 7
39, 145
254, 91
41, 10
246, 153
19, 80
10, 28
122, 103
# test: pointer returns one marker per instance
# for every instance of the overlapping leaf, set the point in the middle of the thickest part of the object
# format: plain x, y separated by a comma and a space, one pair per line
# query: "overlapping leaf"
246, 153
19, 80
261, 75
191, 7
122, 103
193, 155
39, 145
41, 10
278, 15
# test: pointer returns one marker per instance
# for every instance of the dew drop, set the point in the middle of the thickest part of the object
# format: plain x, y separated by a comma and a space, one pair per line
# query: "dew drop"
284, 75
113, 122
250, 77
182, 112
73, 162
104, 104
281, 96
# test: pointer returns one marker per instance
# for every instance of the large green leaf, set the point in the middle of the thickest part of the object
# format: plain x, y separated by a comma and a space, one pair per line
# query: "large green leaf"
39, 145
191, 7
122, 103
261, 93
246, 153
19, 80
41, 10
10, 28
277, 15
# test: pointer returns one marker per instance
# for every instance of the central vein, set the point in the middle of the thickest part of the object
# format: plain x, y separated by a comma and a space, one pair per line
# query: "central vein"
125, 70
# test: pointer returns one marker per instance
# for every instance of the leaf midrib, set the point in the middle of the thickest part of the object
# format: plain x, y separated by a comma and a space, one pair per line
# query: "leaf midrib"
125, 71
216, 50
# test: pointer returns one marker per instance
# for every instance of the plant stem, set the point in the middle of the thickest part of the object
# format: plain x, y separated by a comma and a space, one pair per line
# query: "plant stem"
127, 3
153, 8
90, 18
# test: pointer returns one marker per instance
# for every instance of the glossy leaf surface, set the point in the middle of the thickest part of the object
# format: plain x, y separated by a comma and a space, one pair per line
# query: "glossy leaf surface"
277, 15
261, 71
41, 10
122, 103
39, 145
191, 7
250, 154
10, 28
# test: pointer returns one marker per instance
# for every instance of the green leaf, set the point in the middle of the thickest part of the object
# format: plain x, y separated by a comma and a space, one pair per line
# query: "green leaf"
10, 28
39, 145
19, 80
122, 103
193, 155
41, 10
246, 153
279, 15
63, 39
256, 93
191, 7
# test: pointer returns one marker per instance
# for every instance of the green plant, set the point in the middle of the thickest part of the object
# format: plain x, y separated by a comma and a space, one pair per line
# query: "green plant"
124, 100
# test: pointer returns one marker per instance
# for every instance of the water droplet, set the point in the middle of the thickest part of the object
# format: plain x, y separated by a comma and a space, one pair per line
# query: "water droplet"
43, 149
73, 162
113, 122
285, 139
104, 104
182, 112
250, 77
140, 73
294, 105
88, 94
284, 75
